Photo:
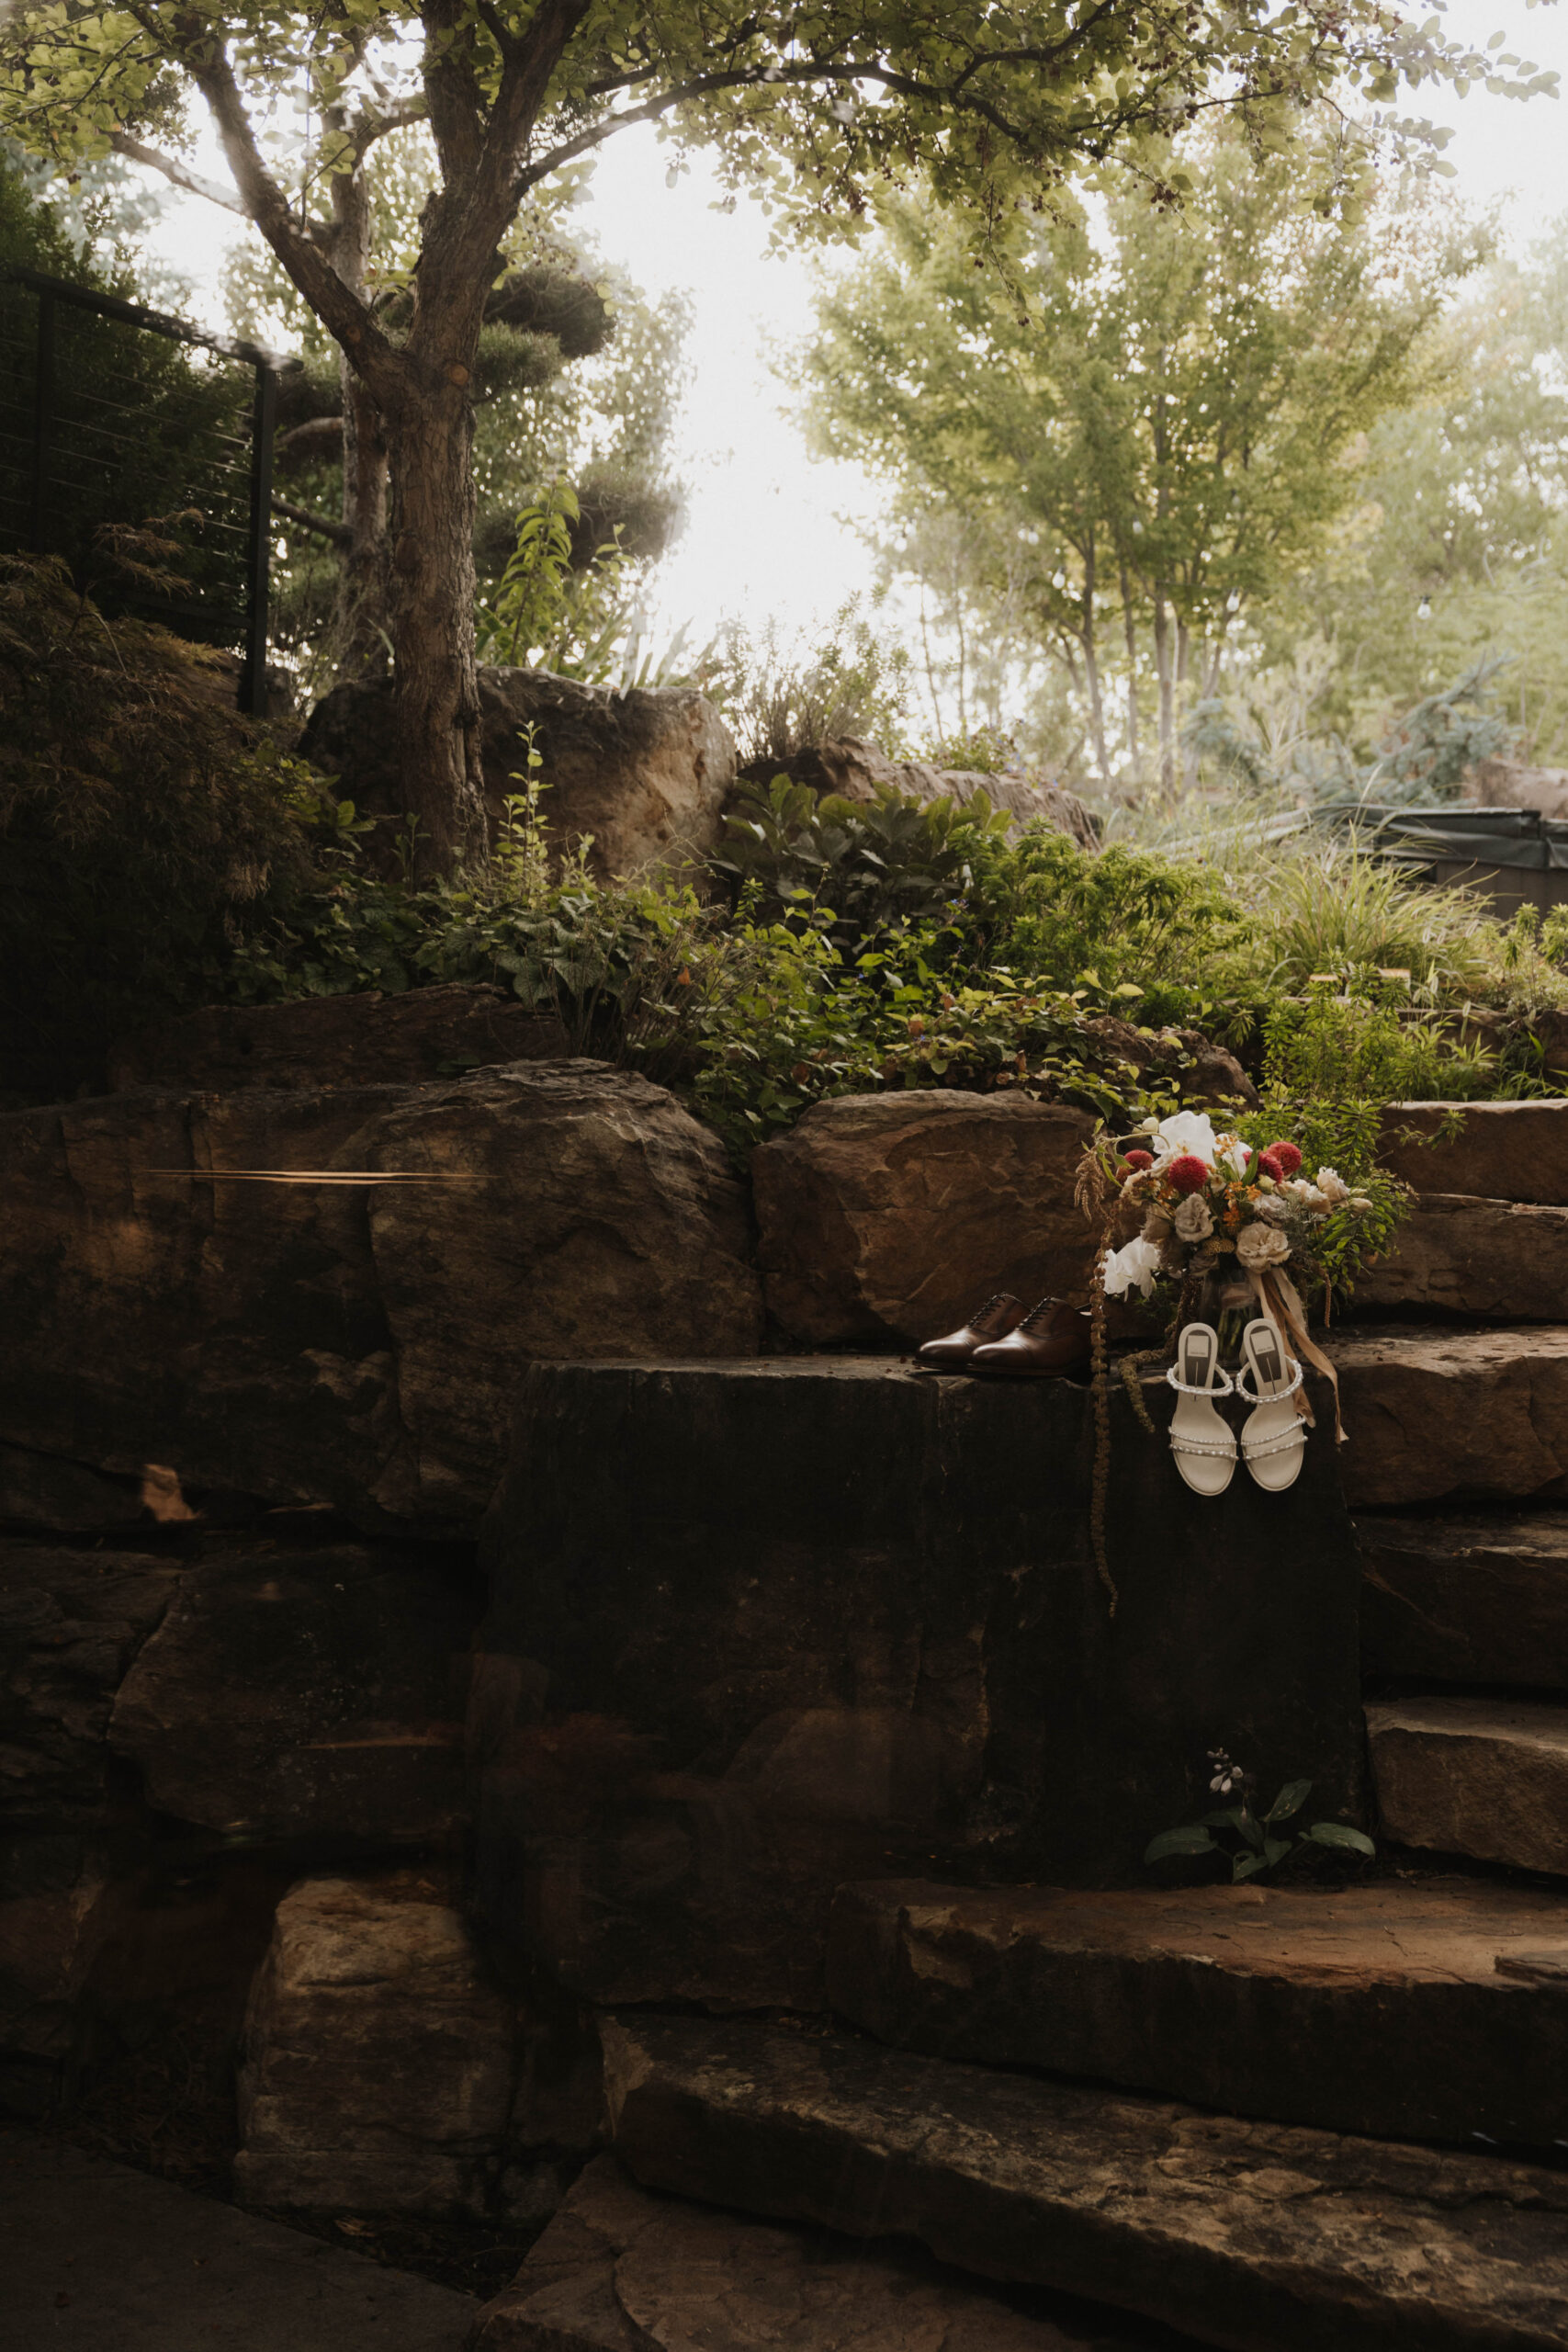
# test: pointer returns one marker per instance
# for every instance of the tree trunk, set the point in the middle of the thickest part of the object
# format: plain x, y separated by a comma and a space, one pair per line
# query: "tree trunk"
358, 641
1092, 666
1166, 694
435, 678
1135, 744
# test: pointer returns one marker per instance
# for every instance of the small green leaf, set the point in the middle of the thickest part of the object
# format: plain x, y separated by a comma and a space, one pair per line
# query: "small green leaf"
1276, 1848
1290, 1799
1339, 1833
1191, 1839
1246, 1866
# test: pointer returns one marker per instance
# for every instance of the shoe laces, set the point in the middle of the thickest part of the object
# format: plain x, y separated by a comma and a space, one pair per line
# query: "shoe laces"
993, 1305
1038, 1314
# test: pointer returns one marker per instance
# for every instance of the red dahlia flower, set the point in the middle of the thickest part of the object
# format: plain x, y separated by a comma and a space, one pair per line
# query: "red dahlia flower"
1287, 1155
1188, 1173
1138, 1159
1268, 1163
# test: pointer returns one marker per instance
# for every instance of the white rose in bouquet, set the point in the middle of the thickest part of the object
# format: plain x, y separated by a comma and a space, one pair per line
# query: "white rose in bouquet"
1258, 1245
1333, 1187
1272, 1205
1193, 1221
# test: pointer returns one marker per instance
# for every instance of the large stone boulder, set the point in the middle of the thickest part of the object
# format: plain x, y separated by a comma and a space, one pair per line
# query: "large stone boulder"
305, 1694
1514, 784
641, 775
1431, 1411
351, 1344
368, 1039
896, 1215
379, 2056
760, 1629
856, 770
1476, 1598
1483, 1777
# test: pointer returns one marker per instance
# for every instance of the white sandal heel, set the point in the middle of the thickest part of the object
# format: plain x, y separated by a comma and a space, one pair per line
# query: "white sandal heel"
1203, 1445
1273, 1441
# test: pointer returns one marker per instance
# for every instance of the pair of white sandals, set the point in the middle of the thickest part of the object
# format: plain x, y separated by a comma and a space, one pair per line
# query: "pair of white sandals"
1273, 1439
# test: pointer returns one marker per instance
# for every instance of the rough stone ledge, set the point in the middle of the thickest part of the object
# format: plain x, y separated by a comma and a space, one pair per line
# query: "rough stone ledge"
1501, 1262
1375, 2009
1483, 1777
619, 2270
1434, 1411
1256, 2237
1479, 1598
1500, 1151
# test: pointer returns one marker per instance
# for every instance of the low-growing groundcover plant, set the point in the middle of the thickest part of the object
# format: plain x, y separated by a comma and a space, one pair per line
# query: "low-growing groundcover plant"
1241, 1835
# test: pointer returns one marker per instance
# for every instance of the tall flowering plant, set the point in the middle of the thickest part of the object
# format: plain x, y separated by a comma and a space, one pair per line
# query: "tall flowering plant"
1210, 1203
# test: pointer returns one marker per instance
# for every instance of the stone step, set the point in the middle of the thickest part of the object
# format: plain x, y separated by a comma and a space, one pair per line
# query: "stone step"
1434, 1411
1481, 1597
1502, 1261
1254, 2236
1501, 1151
1380, 2010
1483, 1777
619, 2269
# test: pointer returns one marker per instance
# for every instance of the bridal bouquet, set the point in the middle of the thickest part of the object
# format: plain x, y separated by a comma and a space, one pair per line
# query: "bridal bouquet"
1210, 1204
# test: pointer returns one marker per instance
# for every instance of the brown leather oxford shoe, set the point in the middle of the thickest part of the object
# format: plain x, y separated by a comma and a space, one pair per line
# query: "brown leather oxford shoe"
954, 1350
1052, 1337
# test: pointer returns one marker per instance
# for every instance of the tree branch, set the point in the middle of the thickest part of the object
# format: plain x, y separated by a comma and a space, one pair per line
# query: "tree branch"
339, 309
339, 532
178, 173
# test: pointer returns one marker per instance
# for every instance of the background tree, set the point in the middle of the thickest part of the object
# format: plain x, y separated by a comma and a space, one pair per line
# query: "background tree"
577, 378
1457, 551
819, 106
1150, 427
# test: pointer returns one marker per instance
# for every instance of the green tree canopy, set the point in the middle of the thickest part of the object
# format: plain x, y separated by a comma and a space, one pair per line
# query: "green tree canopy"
1149, 426
821, 107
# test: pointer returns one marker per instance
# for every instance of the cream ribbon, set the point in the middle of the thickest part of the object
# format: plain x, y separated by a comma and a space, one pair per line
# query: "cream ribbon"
1280, 1300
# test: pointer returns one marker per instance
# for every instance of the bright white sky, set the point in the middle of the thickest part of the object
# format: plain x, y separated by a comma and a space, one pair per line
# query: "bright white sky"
769, 531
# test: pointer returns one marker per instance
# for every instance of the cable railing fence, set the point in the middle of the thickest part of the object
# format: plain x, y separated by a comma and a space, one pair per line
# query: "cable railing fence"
97, 433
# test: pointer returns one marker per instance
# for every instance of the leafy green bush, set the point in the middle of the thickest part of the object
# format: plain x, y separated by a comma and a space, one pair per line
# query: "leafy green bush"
779, 698
867, 864
140, 816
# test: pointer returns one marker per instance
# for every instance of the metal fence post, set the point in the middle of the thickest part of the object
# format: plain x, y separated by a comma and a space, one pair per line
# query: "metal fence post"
253, 684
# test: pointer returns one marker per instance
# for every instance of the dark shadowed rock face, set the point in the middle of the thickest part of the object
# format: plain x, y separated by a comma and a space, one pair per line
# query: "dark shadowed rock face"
897, 1214
1257, 2236
1483, 1777
758, 1629
379, 2059
367, 1039
1431, 1411
311, 1694
618, 2269
643, 775
346, 1344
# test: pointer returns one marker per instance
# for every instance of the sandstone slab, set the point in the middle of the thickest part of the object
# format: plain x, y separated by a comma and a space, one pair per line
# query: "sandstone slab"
642, 777
378, 2056
1377, 2009
341, 1343
1470, 1599
1437, 1412
368, 1039
897, 1214
44, 1494
760, 1628
1497, 1151
1500, 1261
1483, 1777
857, 770
305, 1694
1259, 2237
620, 2270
